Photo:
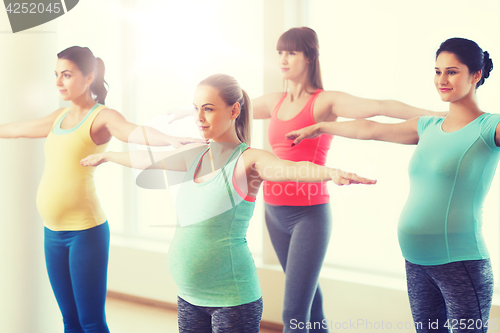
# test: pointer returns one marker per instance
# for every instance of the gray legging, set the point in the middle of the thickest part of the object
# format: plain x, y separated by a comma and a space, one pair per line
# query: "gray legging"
243, 318
300, 236
456, 295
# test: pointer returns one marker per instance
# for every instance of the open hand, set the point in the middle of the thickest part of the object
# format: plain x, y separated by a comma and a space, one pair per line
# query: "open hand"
340, 177
93, 160
309, 132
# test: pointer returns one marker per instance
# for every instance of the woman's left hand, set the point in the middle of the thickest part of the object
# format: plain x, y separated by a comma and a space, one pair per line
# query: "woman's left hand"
309, 132
94, 160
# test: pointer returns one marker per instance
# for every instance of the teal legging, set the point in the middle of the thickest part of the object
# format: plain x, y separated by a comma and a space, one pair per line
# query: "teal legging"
77, 264
300, 236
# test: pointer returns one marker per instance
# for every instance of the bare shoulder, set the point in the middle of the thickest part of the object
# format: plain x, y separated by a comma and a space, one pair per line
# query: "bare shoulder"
252, 155
108, 117
107, 112
324, 104
329, 97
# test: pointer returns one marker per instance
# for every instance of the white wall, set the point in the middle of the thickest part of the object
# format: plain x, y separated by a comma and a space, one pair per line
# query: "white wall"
26, 84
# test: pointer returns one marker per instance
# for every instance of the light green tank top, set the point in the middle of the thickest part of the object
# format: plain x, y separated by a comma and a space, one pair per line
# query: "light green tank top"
209, 258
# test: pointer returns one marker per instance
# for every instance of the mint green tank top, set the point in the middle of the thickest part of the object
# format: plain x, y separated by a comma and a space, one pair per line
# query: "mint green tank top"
209, 258
450, 175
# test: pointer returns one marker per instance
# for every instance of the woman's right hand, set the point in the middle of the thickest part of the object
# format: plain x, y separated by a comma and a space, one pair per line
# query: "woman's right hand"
340, 177
309, 132
94, 160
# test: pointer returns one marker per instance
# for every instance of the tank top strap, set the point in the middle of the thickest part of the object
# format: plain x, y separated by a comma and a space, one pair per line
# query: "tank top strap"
310, 103
228, 173
61, 115
193, 168
233, 158
87, 124
277, 107
228, 166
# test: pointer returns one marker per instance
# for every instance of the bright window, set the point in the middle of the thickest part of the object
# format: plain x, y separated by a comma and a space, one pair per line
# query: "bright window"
175, 45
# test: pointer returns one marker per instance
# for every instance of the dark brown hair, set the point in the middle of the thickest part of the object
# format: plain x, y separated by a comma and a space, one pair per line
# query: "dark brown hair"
84, 59
305, 40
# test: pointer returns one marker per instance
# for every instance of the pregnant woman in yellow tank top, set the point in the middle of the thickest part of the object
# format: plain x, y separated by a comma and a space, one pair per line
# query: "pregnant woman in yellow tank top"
76, 229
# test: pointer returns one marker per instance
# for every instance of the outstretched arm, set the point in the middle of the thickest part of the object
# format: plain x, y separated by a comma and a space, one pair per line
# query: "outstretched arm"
269, 167
126, 131
361, 129
37, 128
348, 106
176, 160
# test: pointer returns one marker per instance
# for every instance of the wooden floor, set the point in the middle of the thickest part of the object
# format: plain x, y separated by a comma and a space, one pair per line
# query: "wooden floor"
125, 316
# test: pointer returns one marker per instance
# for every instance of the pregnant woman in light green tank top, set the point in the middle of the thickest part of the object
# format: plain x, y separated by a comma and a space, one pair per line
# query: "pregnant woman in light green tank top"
447, 263
209, 258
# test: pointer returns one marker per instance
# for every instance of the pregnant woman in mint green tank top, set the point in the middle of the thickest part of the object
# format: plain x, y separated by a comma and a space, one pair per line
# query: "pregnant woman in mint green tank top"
209, 258
448, 269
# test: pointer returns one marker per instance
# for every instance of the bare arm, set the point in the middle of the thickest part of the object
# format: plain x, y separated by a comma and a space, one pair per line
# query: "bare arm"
270, 167
497, 135
126, 131
264, 105
348, 106
175, 160
361, 129
37, 128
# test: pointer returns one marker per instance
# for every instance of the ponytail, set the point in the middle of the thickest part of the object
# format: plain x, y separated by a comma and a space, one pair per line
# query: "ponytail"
84, 59
97, 87
243, 127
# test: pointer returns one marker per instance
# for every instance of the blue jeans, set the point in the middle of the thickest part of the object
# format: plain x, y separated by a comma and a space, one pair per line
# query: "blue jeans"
454, 296
300, 237
77, 264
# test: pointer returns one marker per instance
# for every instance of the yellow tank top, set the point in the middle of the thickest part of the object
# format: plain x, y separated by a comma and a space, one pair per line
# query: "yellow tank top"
66, 197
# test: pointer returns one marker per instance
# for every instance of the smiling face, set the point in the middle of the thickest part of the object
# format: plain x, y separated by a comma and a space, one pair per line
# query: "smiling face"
215, 119
293, 65
70, 81
453, 79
